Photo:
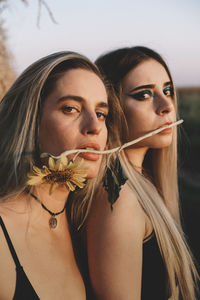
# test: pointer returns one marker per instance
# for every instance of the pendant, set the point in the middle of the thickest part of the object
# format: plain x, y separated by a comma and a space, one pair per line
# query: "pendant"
53, 222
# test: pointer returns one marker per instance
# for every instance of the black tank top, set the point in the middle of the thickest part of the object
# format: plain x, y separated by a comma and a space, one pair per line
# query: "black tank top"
23, 288
154, 275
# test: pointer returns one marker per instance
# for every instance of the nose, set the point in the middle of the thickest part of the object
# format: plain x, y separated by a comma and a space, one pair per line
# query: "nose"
90, 124
164, 105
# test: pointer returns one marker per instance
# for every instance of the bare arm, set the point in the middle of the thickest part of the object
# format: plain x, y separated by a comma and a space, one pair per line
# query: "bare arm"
114, 241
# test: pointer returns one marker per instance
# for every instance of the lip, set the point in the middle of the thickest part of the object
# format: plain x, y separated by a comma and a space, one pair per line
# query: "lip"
167, 130
88, 155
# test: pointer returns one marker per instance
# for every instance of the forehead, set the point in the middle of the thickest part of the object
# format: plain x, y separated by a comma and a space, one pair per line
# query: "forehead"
147, 72
80, 82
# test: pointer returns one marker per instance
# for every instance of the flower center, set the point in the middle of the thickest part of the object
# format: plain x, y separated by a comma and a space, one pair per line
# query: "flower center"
59, 176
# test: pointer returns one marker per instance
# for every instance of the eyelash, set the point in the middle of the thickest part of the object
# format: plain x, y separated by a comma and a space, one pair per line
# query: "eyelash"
170, 89
140, 96
102, 114
69, 109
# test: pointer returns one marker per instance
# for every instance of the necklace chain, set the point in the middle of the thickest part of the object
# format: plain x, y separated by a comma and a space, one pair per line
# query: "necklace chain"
53, 221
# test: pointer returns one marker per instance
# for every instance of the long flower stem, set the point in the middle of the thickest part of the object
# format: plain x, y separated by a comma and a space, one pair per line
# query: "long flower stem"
117, 149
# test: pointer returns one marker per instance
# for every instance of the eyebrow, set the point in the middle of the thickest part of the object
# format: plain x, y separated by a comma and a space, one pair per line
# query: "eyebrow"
149, 86
168, 83
71, 97
80, 100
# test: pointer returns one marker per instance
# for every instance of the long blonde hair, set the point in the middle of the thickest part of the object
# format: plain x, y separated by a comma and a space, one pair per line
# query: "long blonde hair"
159, 199
20, 115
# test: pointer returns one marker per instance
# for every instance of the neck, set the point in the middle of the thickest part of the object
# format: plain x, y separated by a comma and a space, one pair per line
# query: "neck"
136, 157
54, 203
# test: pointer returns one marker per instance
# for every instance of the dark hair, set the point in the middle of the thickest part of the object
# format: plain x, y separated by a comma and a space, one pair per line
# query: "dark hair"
161, 166
116, 64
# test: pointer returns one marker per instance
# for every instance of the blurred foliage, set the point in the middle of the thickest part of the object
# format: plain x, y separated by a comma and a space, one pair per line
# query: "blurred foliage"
7, 74
189, 110
189, 164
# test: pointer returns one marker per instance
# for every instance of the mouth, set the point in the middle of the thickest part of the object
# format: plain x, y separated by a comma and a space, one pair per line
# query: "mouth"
88, 155
166, 130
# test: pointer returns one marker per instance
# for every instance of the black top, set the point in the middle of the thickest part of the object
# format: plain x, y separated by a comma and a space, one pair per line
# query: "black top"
154, 280
23, 288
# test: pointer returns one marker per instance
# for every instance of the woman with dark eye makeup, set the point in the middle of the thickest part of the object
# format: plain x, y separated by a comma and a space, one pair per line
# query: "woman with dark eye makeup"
146, 92
137, 250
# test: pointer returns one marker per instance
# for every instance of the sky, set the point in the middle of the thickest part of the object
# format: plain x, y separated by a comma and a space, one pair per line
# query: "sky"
93, 27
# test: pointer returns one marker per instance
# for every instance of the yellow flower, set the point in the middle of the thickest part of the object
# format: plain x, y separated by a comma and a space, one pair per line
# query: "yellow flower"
59, 173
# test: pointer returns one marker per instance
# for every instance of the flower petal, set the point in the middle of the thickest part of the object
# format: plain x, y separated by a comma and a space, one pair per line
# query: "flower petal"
59, 173
64, 160
34, 180
59, 166
51, 163
70, 186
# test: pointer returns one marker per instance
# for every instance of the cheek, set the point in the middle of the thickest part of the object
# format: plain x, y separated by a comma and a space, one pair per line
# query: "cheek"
137, 115
53, 123
49, 130
54, 135
174, 113
104, 136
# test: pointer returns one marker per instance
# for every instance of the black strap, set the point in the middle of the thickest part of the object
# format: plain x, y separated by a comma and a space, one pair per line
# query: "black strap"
10, 245
148, 237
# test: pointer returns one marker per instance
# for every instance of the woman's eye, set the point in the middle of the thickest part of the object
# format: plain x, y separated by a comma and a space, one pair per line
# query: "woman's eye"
168, 91
143, 95
69, 109
101, 115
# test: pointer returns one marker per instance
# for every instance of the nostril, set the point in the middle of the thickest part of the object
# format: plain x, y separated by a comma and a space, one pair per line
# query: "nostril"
90, 132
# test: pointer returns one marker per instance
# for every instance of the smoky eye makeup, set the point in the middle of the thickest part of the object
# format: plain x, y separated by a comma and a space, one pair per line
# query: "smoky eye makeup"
168, 91
142, 95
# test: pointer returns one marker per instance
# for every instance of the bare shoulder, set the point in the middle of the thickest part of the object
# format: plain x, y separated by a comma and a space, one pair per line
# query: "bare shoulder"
7, 265
126, 213
114, 244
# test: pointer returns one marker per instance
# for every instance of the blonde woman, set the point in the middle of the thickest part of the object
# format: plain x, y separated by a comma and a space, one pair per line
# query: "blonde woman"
59, 103
137, 250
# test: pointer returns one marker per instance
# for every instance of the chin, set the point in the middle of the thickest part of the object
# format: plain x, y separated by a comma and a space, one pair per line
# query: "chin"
92, 174
162, 142
93, 169
155, 142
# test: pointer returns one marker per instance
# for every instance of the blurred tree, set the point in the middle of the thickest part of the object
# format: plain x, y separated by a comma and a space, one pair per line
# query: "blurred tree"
189, 108
189, 164
7, 74
40, 4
